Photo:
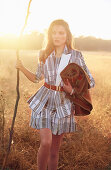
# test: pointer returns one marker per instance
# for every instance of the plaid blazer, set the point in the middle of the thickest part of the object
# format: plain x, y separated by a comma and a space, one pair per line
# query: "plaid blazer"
50, 99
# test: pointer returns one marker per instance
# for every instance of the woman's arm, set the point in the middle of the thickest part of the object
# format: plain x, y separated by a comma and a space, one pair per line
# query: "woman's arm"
83, 65
31, 76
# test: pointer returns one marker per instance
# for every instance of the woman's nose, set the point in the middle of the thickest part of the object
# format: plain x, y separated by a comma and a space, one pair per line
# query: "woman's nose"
56, 35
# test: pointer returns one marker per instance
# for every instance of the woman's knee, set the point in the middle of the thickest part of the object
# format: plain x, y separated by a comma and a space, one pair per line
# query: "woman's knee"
46, 143
45, 138
54, 154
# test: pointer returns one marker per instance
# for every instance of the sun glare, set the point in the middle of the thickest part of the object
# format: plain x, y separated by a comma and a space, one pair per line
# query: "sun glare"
12, 15
84, 17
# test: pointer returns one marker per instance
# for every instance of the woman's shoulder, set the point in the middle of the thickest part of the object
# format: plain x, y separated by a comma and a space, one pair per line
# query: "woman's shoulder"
76, 52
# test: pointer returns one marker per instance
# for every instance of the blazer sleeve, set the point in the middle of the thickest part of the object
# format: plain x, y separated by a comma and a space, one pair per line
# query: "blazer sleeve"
83, 65
40, 71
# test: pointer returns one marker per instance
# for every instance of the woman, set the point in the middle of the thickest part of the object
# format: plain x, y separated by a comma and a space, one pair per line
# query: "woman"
51, 111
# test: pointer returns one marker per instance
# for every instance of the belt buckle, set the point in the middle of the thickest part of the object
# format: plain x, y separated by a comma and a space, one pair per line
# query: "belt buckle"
58, 88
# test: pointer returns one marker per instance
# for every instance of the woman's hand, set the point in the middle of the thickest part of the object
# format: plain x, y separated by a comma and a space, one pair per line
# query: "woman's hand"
67, 87
19, 64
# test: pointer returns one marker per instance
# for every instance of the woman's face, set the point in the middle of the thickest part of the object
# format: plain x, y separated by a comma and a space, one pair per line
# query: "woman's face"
59, 35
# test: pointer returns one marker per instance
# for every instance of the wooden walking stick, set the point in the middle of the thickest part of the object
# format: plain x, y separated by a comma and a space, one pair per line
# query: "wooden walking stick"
17, 89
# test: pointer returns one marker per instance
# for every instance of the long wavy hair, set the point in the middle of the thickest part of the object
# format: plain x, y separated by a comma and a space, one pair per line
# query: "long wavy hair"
50, 46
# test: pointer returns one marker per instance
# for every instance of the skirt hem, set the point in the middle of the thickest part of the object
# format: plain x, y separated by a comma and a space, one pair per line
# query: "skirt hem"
56, 128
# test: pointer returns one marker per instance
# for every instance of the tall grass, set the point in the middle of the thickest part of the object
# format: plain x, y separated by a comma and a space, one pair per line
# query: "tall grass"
87, 149
2, 120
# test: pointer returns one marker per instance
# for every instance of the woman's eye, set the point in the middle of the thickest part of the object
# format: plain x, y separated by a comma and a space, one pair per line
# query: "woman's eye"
58, 33
53, 32
61, 32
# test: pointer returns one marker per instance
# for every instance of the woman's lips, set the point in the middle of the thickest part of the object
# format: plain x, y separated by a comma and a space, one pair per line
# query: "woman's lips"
56, 41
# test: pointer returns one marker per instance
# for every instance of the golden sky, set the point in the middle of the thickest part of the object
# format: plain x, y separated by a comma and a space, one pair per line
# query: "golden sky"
85, 17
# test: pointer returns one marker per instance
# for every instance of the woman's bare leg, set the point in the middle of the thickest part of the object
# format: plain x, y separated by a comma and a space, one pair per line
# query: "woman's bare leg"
44, 150
54, 152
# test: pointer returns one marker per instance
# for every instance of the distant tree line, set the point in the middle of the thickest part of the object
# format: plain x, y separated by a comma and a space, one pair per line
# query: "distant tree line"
31, 41
34, 41
92, 44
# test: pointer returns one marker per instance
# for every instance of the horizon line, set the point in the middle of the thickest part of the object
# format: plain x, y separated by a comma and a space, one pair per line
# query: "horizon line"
84, 36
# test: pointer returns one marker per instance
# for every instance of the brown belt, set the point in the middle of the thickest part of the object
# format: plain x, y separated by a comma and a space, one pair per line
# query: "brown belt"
57, 88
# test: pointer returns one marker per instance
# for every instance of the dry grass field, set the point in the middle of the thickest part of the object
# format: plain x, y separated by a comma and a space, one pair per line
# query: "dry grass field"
87, 149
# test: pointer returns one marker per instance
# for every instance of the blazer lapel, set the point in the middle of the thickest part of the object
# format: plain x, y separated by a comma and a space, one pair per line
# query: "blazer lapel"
63, 63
